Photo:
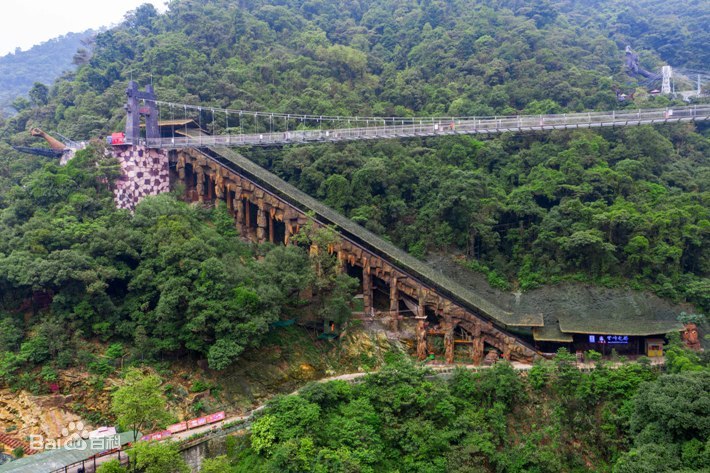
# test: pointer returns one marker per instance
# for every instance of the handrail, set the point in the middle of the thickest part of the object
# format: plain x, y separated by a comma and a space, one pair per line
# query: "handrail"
450, 126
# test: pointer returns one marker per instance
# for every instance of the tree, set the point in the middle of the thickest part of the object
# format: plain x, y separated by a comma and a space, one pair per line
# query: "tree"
676, 406
10, 334
111, 466
157, 457
39, 94
334, 289
20, 104
216, 465
139, 402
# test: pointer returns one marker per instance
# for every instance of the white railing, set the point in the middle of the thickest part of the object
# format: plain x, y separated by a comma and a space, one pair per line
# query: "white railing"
440, 127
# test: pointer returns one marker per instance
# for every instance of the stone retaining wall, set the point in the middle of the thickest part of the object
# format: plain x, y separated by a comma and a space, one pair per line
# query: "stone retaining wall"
144, 172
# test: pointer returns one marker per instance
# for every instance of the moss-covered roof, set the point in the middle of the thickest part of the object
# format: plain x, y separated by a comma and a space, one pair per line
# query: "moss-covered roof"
425, 273
570, 308
551, 333
620, 326
634, 313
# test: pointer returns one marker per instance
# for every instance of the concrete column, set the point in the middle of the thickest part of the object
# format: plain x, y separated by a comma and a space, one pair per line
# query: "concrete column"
261, 224
478, 350
449, 340
288, 232
272, 238
421, 328
394, 303
247, 215
367, 288
200, 184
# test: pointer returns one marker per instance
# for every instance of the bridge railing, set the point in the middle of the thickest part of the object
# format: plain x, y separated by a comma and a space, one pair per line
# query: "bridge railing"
430, 127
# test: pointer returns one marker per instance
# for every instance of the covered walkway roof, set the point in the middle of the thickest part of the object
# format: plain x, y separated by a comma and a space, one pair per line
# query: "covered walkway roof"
51, 460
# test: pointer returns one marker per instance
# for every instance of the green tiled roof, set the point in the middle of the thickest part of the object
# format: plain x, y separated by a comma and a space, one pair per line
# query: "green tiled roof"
619, 326
51, 460
551, 333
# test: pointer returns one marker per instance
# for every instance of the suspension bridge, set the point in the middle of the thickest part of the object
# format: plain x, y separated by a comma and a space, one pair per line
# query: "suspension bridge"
203, 126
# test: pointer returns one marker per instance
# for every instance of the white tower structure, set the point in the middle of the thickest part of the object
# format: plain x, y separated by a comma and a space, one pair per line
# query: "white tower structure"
667, 72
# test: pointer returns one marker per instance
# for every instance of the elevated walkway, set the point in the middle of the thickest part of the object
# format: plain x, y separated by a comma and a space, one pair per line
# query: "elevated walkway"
384, 128
421, 271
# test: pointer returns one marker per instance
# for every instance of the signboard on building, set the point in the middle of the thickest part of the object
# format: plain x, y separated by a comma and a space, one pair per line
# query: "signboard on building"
609, 339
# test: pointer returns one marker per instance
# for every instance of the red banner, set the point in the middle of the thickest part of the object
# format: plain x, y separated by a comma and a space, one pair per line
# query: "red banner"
157, 435
179, 427
192, 423
216, 417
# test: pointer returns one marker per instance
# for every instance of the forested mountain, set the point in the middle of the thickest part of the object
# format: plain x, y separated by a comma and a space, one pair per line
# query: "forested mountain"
42, 63
360, 57
618, 206
615, 207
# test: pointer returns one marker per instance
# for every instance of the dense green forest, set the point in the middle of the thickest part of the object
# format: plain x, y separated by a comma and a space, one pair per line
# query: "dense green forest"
169, 279
618, 206
624, 206
631, 419
42, 63
621, 206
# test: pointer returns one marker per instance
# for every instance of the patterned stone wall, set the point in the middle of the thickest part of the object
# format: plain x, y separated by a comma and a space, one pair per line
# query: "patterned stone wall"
144, 172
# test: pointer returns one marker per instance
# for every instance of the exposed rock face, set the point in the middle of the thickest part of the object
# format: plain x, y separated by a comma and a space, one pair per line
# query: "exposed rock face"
38, 415
144, 172
358, 345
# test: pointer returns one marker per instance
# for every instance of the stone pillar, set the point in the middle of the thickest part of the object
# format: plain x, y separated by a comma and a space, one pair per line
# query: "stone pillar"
181, 168
449, 340
261, 224
394, 303
200, 184
367, 288
506, 351
272, 238
247, 215
228, 199
239, 212
219, 185
421, 328
210, 188
342, 262
288, 232
478, 349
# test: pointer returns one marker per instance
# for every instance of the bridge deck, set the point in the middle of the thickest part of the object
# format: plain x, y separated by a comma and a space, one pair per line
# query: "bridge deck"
442, 127
358, 235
